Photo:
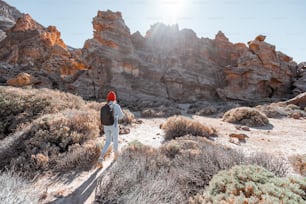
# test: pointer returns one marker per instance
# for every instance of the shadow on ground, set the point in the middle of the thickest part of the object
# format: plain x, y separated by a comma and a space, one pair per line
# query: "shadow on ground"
82, 193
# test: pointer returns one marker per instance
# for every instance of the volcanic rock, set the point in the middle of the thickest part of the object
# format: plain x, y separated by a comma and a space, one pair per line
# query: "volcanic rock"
40, 51
8, 17
172, 64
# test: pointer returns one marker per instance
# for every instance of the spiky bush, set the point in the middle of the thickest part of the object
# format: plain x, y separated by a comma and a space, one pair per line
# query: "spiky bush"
56, 142
246, 116
171, 174
299, 163
177, 126
15, 189
20, 106
252, 184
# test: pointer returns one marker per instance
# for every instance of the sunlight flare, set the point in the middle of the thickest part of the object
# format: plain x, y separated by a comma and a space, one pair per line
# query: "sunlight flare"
171, 11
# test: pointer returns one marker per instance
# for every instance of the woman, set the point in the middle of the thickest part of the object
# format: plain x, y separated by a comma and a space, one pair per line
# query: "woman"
111, 130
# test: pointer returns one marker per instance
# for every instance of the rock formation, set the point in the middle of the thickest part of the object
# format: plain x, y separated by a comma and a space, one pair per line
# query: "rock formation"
169, 63
39, 51
165, 64
300, 82
8, 17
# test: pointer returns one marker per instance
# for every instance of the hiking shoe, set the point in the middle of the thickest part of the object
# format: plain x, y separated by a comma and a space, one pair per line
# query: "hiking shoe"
99, 165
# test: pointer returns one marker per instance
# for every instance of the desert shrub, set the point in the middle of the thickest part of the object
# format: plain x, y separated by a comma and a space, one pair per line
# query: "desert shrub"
251, 184
273, 110
299, 163
177, 126
172, 173
277, 165
246, 116
14, 189
19, 106
129, 117
55, 142
291, 107
160, 112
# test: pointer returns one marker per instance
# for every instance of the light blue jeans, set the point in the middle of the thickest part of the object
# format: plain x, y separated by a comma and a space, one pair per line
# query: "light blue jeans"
111, 133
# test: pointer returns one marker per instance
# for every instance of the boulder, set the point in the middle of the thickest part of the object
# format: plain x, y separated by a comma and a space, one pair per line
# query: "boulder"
22, 79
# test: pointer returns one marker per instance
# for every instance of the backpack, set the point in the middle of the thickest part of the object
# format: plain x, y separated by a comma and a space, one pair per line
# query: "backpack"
107, 115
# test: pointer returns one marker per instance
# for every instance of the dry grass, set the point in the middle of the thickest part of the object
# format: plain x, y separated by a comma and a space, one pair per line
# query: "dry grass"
299, 163
171, 174
56, 142
20, 106
178, 126
246, 116
46, 130
15, 189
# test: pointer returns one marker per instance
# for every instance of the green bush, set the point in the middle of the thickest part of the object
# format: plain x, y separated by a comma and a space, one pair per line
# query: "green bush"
172, 173
177, 126
251, 184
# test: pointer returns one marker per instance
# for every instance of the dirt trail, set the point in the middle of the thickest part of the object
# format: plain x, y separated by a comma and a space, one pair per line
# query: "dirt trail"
283, 137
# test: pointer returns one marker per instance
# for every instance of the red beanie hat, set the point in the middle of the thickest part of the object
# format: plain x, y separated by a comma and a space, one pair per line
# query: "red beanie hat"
111, 96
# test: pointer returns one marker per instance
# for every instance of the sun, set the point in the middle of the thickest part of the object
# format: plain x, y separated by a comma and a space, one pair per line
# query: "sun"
171, 11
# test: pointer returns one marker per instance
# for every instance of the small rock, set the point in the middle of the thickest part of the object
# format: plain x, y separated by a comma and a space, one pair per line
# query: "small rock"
234, 141
245, 128
239, 136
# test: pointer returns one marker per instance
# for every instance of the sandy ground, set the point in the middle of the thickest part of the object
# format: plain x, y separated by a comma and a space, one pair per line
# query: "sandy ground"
283, 137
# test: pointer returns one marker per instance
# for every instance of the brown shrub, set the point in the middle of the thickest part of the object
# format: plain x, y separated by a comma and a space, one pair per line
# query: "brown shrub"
171, 174
19, 106
129, 117
299, 163
160, 112
246, 116
280, 109
178, 126
56, 142
273, 110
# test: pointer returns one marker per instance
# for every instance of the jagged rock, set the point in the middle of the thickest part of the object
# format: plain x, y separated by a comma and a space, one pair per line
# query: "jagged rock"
8, 17
175, 64
41, 51
261, 38
22, 79
299, 100
165, 64
300, 82
261, 73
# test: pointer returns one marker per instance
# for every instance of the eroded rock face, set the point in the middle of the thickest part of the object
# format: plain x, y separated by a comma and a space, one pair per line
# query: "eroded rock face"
261, 72
300, 82
8, 17
39, 51
169, 63
165, 64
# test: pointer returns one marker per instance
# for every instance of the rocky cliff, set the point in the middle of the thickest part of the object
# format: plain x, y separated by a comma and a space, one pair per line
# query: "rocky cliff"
169, 63
38, 51
166, 64
8, 17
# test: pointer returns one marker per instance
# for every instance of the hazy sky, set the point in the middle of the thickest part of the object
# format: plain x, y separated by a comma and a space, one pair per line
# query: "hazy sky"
282, 21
